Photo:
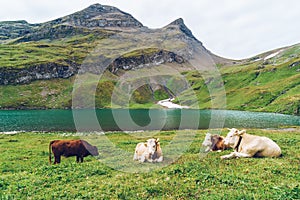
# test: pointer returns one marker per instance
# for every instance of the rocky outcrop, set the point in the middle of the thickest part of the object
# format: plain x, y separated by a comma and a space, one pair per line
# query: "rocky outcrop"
15, 29
100, 16
179, 23
13, 76
94, 17
145, 60
58, 32
44, 71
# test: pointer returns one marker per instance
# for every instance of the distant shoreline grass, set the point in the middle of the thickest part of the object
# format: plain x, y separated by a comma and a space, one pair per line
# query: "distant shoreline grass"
26, 174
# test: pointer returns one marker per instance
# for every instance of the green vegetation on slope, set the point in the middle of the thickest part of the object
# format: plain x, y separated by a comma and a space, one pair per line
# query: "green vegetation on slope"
73, 49
269, 86
256, 84
26, 174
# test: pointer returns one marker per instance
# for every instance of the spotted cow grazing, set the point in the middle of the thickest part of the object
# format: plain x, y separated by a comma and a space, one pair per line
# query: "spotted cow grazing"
246, 145
149, 151
214, 143
67, 148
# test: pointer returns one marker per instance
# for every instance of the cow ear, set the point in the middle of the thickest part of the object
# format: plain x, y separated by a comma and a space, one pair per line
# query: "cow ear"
145, 144
229, 129
241, 132
157, 140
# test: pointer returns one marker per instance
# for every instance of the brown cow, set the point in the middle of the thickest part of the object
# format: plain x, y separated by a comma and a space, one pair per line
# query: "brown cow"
214, 143
67, 148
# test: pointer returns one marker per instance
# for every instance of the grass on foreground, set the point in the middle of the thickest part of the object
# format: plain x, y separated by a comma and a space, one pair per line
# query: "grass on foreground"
26, 173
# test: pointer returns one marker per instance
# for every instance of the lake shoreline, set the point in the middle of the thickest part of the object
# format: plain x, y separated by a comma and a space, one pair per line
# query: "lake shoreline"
74, 133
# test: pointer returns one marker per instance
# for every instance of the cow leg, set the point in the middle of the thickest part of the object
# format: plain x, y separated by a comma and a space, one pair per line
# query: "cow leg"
56, 159
236, 155
142, 158
79, 159
135, 157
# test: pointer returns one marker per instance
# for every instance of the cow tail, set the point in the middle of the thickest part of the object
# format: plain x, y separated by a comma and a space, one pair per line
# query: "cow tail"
50, 151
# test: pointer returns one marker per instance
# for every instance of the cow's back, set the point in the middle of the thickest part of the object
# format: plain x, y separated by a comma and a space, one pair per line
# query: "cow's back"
270, 148
264, 146
140, 148
68, 148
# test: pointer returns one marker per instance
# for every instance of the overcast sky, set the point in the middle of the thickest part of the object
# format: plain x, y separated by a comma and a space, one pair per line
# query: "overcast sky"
229, 28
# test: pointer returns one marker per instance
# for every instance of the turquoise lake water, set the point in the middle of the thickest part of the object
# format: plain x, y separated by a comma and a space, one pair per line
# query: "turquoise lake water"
138, 119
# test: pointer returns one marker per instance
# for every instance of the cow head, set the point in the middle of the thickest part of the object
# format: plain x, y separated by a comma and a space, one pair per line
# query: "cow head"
93, 150
233, 136
152, 145
207, 143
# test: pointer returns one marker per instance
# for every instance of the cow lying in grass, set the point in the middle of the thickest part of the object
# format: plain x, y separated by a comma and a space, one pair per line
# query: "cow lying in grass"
67, 148
149, 151
214, 143
246, 145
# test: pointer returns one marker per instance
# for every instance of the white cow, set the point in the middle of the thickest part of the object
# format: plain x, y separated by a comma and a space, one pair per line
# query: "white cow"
246, 145
149, 151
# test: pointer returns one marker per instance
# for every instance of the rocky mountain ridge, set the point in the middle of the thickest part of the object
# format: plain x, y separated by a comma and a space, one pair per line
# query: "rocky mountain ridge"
95, 16
15, 29
102, 22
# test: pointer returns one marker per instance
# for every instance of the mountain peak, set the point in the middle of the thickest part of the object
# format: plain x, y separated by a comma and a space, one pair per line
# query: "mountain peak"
102, 16
178, 21
180, 24
101, 8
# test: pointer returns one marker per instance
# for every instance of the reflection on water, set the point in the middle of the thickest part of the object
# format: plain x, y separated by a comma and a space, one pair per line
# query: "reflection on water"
138, 119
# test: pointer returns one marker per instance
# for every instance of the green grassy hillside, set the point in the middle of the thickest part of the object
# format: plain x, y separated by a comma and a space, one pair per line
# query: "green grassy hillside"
271, 85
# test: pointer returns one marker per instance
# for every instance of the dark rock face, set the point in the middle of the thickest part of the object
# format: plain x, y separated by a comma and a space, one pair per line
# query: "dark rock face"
9, 76
297, 63
37, 72
14, 29
145, 60
180, 23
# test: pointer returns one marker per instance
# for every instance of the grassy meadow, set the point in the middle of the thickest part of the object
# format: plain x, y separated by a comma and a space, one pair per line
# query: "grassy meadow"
27, 174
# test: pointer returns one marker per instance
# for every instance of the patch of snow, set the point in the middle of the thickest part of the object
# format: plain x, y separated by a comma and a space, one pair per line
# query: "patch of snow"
11, 132
169, 104
272, 55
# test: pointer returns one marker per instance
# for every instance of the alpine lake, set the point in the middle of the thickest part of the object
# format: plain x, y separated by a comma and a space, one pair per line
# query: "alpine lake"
138, 119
